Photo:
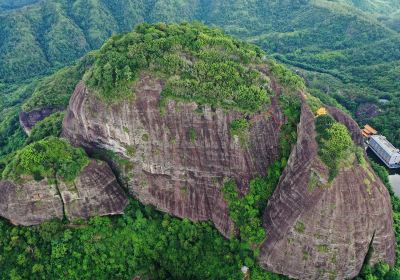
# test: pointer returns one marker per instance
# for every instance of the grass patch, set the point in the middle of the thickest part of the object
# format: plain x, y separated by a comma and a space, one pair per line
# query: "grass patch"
300, 227
240, 128
192, 134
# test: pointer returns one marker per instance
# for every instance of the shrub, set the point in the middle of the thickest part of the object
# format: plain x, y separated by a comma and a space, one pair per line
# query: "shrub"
334, 143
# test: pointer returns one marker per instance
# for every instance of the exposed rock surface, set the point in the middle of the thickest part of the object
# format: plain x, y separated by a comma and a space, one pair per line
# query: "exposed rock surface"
367, 111
29, 119
315, 231
94, 192
30, 203
179, 157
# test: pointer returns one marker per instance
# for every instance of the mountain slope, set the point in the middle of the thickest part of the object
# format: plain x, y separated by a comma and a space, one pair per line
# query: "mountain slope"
206, 125
59, 32
338, 47
214, 94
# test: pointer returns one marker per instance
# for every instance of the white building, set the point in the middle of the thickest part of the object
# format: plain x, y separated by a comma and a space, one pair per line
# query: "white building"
385, 150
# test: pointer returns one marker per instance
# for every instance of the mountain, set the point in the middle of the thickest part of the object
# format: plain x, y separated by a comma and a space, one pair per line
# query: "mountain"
347, 53
374, 6
204, 127
344, 49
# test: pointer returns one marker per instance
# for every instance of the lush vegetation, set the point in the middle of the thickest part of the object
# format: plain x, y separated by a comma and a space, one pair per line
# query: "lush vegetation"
342, 47
346, 56
55, 90
198, 63
13, 4
49, 158
12, 136
334, 143
50, 126
246, 211
142, 242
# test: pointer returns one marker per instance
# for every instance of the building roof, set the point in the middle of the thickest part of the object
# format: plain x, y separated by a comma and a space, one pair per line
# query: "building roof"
369, 129
385, 144
322, 111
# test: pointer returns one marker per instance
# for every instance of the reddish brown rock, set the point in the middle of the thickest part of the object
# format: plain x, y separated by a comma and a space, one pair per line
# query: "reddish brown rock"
176, 172
367, 111
317, 231
179, 155
95, 192
30, 203
29, 119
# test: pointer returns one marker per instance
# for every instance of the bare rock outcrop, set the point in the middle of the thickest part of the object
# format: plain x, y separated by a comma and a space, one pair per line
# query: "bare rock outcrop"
94, 192
321, 231
29, 119
179, 154
29, 203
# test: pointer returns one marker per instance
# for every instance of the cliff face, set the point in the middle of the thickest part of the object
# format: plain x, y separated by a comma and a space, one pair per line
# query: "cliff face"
179, 154
94, 192
315, 231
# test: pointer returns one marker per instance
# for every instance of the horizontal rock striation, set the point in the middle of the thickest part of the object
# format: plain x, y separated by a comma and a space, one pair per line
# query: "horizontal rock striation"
180, 153
317, 231
94, 192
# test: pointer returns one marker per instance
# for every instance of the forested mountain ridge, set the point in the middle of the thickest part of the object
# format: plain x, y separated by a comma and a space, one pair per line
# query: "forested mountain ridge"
346, 50
201, 126
58, 32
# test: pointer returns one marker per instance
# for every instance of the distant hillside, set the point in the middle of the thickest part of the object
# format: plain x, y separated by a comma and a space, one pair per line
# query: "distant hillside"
383, 7
56, 33
14, 4
344, 48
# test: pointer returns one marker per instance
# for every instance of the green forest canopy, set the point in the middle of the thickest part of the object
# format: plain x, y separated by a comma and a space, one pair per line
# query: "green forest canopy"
198, 63
353, 67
